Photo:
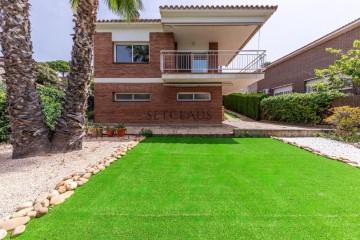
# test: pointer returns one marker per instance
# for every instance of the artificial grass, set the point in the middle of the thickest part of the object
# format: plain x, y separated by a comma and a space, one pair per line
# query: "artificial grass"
230, 115
211, 188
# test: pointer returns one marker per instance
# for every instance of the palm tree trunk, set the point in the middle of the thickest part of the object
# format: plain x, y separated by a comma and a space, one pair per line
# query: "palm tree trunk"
29, 134
70, 126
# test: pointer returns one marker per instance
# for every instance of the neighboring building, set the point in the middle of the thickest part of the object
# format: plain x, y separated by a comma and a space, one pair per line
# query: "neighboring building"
2, 71
293, 72
175, 70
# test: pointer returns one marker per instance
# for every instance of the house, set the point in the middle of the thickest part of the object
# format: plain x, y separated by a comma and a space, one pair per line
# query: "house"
293, 72
175, 70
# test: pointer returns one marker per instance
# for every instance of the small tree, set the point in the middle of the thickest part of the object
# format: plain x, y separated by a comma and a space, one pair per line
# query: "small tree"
60, 66
346, 68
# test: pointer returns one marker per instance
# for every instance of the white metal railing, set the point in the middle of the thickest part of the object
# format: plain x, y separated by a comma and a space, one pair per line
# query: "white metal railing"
212, 61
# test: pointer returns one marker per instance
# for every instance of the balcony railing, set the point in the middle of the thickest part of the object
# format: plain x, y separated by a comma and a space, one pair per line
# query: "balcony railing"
211, 61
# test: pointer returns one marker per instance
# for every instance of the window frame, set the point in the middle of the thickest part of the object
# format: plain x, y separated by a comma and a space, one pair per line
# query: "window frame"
193, 99
133, 97
132, 51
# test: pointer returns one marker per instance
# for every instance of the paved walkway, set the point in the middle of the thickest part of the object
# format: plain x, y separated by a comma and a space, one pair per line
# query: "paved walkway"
227, 127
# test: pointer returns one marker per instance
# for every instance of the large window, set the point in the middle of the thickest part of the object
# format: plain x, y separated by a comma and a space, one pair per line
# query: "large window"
193, 97
132, 97
132, 53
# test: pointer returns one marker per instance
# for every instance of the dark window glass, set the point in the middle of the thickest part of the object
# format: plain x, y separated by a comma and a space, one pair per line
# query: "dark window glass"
123, 97
202, 96
141, 53
141, 96
123, 53
185, 96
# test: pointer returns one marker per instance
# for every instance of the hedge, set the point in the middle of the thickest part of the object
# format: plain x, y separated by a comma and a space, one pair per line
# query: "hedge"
51, 101
304, 108
244, 104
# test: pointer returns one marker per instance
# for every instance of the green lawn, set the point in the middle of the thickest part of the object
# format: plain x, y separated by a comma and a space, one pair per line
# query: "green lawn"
211, 188
230, 115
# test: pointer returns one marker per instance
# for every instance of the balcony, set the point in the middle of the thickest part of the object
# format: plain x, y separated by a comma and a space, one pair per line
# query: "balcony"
211, 61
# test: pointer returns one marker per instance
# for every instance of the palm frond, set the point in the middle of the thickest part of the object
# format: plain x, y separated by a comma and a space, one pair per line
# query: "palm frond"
129, 9
74, 4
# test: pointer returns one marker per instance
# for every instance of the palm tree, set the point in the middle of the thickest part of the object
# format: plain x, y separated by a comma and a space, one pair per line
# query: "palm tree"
70, 127
29, 134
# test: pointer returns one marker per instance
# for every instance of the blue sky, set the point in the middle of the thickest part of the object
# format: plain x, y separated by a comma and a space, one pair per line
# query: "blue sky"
293, 25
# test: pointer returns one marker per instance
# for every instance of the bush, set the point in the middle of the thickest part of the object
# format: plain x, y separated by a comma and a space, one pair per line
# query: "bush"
51, 102
146, 132
45, 75
245, 104
346, 119
304, 108
4, 121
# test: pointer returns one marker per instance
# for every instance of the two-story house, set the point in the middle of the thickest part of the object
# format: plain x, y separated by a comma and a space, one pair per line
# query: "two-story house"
175, 70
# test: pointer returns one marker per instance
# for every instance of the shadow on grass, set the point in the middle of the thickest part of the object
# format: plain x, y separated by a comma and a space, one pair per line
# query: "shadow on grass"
191, 140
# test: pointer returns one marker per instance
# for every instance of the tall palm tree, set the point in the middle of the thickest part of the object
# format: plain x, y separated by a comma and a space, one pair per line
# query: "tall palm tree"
70, 127
29, 134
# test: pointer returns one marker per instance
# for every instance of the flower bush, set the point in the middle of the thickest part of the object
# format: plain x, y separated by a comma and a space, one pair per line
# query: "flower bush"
346, 119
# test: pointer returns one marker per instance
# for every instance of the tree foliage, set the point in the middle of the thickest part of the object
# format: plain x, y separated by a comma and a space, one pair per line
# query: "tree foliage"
129, 9
45, 75
60, 66
346, 68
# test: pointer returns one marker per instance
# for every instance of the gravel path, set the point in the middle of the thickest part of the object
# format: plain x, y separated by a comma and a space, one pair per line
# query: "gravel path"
330, 147
22, 180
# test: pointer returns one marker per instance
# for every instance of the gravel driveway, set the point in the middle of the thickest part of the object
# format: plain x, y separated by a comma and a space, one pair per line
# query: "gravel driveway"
329, 147
22, 180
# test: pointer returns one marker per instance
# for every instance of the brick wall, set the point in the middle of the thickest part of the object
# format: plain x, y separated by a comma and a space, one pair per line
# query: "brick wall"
104, 66
301, 67
162, 109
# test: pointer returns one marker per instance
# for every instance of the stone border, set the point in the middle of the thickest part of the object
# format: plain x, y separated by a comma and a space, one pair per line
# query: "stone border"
317, 152
63, 190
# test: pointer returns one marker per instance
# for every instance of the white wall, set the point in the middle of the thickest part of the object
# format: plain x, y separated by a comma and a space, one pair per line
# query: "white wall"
131, 34
193, 45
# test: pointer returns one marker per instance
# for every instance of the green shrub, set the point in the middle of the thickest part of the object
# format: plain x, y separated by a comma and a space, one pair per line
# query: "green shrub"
245, 104
51, 102
346, 119
305, 108
4, 121
146, 132
45, 75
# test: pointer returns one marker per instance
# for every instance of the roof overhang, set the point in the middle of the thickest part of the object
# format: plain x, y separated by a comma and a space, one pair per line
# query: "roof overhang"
232, 27
230, 82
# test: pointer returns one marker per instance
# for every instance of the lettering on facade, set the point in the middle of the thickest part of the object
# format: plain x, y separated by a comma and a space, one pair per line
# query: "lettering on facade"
176, 115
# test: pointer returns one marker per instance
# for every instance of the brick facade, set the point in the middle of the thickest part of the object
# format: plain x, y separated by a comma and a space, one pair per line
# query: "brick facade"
301, 67
104, 66
162, 109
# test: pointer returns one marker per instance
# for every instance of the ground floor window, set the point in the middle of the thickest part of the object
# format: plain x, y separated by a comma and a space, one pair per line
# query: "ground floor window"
132, 97
193, 97
288, 89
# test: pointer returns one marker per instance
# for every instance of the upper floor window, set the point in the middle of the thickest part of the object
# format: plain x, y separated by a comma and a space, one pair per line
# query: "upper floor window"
132, 53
